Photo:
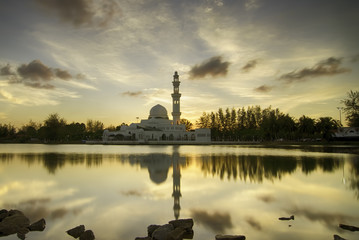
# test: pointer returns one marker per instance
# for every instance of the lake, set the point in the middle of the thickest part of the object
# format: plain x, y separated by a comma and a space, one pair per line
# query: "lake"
117, 191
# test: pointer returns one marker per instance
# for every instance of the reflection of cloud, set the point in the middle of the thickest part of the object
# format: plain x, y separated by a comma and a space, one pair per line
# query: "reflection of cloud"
129, 193
213, 66
267, 198
328, 67
253, 223
331, 220
217, 222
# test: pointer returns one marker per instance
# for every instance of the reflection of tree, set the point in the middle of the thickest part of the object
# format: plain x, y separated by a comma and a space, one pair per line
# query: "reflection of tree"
256, 168
354, 177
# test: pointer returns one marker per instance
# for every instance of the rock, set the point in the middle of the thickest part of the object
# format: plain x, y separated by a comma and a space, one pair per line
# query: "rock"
177, 234
151, 229
230, 237
337, 237
76, 231
187, 224
14, 222
38, 226
162, 232
286, 218
21, 236
143, 238
348, 227
87, 235
3, 214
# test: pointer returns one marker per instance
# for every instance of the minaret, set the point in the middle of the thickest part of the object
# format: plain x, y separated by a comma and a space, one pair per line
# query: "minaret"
176, 99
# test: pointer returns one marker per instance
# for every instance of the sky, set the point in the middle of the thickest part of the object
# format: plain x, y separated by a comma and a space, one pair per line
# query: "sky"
112, 60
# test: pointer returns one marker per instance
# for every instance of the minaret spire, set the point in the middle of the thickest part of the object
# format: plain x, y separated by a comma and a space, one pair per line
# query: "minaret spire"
176, 99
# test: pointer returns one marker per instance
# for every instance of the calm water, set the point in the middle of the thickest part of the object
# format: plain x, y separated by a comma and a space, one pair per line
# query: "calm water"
117, 191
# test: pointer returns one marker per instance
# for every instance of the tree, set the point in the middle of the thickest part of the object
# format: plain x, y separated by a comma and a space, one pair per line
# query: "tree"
54, 128
189, 125
325, 126
306, 127
94, 129
351, 108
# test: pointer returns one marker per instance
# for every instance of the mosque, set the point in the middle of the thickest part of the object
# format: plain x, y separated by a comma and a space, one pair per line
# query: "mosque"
158, 128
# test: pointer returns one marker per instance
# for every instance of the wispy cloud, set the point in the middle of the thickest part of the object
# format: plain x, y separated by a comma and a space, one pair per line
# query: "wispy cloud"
214, 67
250, 65
329, 67
263, 89
132, 94
83, 12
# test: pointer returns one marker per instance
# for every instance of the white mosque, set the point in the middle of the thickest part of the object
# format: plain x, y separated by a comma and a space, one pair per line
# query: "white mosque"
158, 128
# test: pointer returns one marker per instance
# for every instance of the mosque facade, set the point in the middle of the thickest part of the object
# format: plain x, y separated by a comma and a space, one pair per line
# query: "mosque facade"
158, 128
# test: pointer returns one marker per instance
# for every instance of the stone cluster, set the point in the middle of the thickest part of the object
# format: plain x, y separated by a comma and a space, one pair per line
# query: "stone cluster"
81, 233
15, 222
179, 230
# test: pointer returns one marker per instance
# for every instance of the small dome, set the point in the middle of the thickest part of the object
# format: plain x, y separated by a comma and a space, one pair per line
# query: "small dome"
158, 111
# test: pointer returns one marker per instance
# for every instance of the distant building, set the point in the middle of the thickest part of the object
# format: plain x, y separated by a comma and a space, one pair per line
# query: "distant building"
158, 128
347, 134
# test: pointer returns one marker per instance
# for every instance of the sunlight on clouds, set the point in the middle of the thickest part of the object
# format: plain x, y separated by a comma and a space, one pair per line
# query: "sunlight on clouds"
26, 96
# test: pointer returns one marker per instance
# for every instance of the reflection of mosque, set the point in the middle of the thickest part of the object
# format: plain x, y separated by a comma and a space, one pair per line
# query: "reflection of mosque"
158, 165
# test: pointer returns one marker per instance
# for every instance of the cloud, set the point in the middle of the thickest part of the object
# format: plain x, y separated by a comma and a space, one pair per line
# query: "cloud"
213, 66
135, 193
132, 94
6, 71
218, 222
251, 5
35, 71
263, 89
35, 75
249, 66
253, 223
355, 58
328, 67
83, 12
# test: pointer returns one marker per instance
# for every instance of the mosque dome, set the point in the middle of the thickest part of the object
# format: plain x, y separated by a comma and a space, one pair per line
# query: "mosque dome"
158, 111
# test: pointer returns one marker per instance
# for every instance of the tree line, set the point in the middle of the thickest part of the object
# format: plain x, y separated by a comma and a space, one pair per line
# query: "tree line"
250, 124
257, 124
53, 129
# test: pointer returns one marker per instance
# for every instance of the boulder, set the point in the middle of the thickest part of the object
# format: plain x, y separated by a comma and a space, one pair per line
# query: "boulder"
143, 238
151, 229
348, 227
187, 224
3, 214
76, 231
38, 226
14, 222
230, 237
337, 237
177, 234
286, 218
87, 235
162, 232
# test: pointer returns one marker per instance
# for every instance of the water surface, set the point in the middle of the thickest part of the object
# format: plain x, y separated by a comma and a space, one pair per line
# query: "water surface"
117, 191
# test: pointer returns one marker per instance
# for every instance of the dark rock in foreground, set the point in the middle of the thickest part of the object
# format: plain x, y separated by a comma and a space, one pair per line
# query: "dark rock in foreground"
76, 231
230, 237
337, 237
179, 230
348, 227
15, 222
286, 218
